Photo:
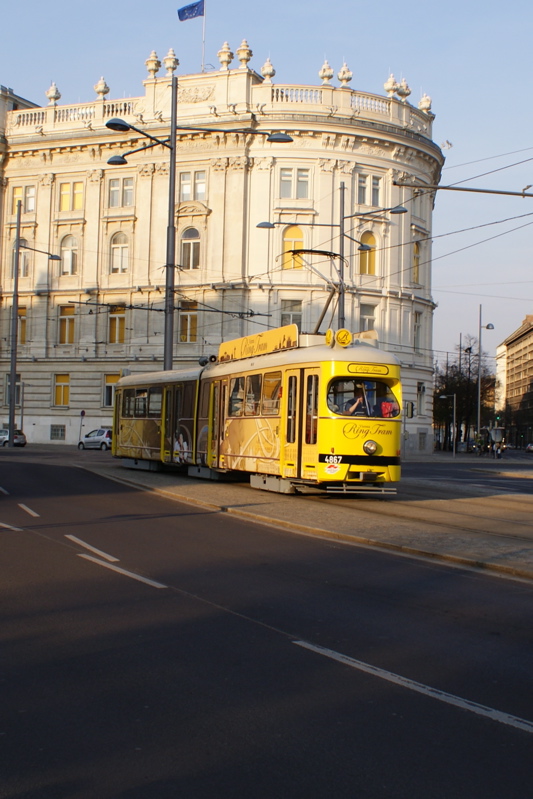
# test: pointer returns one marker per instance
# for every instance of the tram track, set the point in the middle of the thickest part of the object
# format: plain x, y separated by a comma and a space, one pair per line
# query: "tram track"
453, 513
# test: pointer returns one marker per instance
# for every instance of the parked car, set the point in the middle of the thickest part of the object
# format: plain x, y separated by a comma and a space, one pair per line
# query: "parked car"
529, 448
19, 439
97, 439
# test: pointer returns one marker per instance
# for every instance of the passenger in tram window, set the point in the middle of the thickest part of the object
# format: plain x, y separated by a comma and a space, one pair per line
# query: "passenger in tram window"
356, 405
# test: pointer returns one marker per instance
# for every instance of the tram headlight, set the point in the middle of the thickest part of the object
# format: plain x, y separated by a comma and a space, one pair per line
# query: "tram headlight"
370, 447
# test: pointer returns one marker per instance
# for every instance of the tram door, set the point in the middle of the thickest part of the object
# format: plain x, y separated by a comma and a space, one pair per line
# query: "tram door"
309, 426
300, 443
218, 424
168, 441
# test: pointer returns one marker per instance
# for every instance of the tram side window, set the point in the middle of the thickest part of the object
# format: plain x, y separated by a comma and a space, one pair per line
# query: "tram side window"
141, 403
204, 400
311, 409
291, 410
253, 395
128, 402
271, 393
155, 402
189, 396
236, 396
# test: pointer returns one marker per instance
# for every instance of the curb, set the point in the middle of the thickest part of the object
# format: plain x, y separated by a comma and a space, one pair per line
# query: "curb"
317, 532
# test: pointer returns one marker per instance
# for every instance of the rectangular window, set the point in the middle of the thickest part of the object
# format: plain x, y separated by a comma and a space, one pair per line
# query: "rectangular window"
188, 322
120, 192
66, 324
29, 199
367, 320
17, 197
199, 185
302, 184
420, 398
236, 396
110, 382
57, 432
253, 395
294, 183
140, 408
417, 331
361, 189
271, 393
127, 192
192, 186
114, 193
26, 196
291, 313
185, 187
22, 324
285, 188
292, 400
117, 324
376, 193
71, 196
17, 389
155, 402
61, 389
311, 410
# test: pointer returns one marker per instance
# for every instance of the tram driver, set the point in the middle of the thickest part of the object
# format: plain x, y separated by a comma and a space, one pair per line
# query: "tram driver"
355, 405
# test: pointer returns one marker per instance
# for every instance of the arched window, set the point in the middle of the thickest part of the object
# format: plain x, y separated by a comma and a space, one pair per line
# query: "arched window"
69, 256
24, 259
190, 249
292, 240
416, 262
120, 253
367, 258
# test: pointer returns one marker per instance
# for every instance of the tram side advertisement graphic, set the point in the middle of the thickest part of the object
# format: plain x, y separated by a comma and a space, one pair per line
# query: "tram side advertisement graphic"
285, 408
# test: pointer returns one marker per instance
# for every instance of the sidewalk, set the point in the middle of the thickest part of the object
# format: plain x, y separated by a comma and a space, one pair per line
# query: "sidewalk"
400, 526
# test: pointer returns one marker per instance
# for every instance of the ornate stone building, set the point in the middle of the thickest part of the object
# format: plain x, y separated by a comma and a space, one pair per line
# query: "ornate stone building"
99, 311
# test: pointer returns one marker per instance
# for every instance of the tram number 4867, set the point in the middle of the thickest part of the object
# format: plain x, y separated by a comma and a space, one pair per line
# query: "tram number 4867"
334, 459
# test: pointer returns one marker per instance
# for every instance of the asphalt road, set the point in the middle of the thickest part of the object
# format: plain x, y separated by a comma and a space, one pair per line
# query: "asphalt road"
229, 659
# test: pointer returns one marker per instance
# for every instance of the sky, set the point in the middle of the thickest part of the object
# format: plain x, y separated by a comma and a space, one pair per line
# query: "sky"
473, 59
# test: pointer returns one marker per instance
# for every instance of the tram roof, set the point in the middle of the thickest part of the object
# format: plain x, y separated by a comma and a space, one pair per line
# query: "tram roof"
358, 353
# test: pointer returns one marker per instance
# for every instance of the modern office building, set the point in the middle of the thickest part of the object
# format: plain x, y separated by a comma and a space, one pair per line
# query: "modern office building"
98, 311
514, 381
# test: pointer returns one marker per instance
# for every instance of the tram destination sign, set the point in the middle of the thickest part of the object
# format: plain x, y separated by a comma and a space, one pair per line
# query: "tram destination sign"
282, 338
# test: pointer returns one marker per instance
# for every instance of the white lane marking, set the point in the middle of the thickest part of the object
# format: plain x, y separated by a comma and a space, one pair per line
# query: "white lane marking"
10, 527
3, 491
434, 693
92, 549
28, 510
123, 571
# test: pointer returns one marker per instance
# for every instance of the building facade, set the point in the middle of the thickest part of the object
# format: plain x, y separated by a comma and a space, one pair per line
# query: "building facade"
514, 379
84, 320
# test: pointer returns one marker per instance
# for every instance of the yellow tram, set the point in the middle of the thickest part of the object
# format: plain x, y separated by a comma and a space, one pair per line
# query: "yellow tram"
288, 409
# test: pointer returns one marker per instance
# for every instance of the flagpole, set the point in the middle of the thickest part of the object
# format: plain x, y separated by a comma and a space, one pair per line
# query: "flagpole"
203, 39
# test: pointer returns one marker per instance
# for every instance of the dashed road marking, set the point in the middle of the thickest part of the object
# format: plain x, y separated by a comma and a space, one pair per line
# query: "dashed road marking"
117, 569
433, 693
92, 549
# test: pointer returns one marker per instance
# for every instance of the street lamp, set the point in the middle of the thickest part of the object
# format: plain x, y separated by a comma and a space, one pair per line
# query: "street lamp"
447, 396
120, 126
397, 209
481, 327
14, 323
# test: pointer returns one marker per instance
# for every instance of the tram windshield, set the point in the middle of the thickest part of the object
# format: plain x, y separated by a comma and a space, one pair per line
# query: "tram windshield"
365, 398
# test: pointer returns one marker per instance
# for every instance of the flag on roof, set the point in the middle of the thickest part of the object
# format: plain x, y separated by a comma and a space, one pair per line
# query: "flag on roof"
191, 11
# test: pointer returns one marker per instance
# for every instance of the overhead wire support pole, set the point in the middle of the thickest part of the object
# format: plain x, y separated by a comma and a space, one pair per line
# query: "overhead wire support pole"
14, 333
342, 295
168, 349
434, 187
